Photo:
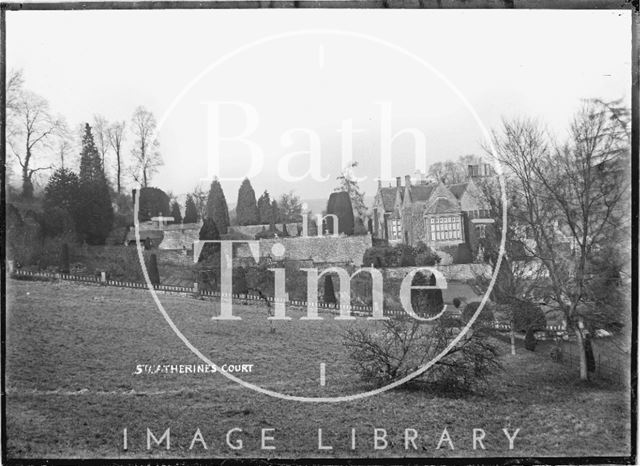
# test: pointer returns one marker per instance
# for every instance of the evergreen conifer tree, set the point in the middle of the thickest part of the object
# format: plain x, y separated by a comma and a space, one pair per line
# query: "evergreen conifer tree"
264, 208
95, 212
217, 207
60, 203
340, 205
190, 210
209, 231
329, 293
175, 212
247, 209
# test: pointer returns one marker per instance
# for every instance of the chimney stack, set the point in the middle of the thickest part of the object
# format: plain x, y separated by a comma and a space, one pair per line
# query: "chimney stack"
399, 181
407, 180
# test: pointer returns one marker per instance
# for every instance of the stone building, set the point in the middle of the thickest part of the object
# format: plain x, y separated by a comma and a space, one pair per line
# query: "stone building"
439, 215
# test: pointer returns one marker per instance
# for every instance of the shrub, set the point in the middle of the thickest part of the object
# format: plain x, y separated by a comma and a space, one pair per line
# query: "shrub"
154, 273
329, 293
390, 350
239, 277
400, 255
261, 279
153, 201
57, 221
429, 301
267, 233
528, 316
407, 258
64, 259
24, 238
530, 340
485, 317
359, 229
379, 256
296, 281
425, 256
463, 254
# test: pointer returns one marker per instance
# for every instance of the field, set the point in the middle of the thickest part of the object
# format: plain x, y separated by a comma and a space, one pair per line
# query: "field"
73, 352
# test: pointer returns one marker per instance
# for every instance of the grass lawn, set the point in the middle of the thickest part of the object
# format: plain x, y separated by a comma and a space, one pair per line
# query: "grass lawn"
73, 350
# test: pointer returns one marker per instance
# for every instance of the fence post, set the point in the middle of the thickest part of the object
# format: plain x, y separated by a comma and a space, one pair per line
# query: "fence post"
103, 278
195, 287
10, 267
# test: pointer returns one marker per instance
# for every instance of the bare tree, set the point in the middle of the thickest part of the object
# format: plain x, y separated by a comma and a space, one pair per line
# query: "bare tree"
65, 144
572, 197
200, 195
521, 278
101, 136
15, 81
449, 172
116, 137
347, 182
145, 151
32, 129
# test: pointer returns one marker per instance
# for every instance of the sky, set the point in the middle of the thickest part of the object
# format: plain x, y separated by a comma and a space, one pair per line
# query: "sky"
259, 90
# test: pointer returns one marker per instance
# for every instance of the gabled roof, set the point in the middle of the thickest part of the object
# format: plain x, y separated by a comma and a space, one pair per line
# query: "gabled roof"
441, 205
388, 196
420, 192
458, 189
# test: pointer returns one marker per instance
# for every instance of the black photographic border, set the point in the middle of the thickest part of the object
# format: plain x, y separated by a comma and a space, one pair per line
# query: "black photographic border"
632, 5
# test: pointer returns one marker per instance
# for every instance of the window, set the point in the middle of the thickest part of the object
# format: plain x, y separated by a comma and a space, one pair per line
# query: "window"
445, 228
396, 229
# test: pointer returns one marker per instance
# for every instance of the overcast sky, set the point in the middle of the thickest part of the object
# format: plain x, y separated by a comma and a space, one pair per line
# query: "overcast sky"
433, 68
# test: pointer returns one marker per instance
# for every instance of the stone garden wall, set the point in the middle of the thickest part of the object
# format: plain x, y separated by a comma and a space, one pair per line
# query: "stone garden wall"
326, 249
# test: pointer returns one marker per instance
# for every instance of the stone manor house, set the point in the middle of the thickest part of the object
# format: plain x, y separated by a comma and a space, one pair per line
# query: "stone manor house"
442, 216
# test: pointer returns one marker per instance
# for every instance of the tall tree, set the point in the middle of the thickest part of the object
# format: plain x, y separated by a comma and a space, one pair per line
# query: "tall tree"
62, 191
265, 211
95, 212
60, 202
573, 198
31, 132
64, 148
175, 212
246, 208
15, 81
191, 214
210, 251
347, 182
200, 196
116, 137
290, 208
101, 136
521, 280
449, 172
145, 152
216, 207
